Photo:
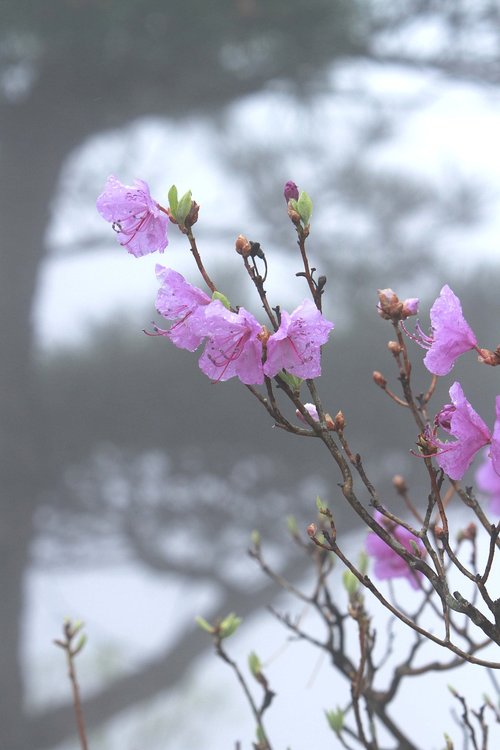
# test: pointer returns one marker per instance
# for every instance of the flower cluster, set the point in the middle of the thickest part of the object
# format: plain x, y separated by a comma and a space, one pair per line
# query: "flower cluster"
236, 343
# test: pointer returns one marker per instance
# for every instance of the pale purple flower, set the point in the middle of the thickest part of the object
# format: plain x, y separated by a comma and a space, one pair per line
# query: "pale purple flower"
450, 336
296, 345
461, 421
488, 481
388, 564
140, 224
495, 440
233, 347
291, 191
183, 303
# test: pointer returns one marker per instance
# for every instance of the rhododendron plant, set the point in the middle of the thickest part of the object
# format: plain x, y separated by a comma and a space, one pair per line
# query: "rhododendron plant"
415, 536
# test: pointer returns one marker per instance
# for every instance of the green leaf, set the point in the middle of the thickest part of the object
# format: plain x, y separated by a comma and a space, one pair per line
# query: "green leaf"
291, 523
335, 720
255, 537
363, 562
229, 625
320, 505
292, 381
222, 298
204, 625
350, 582
184, 207
173, 201
81, 643
304, 207
254, 664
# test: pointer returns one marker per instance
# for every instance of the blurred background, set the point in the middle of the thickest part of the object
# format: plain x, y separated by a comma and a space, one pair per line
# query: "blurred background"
130, 483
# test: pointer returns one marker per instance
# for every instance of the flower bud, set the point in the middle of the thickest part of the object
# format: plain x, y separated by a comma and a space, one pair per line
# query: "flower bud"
243, 246
487, 357
394, 347
339, 421
293, 214
390, 307
379, 379
291, 191
192, 216
399, 484
311, 530
410, 307
469, 533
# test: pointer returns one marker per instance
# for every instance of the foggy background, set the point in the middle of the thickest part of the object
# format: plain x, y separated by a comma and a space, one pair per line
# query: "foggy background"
130, 483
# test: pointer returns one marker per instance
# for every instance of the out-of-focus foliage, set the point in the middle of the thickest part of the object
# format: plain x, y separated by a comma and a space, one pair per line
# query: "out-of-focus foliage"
169, 55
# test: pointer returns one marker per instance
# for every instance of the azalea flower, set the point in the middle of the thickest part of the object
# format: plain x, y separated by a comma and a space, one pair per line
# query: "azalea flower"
461, 421
183, 303
488, 481
388, 564
495, 440
296, 345
450, 336
140, 224
234, 346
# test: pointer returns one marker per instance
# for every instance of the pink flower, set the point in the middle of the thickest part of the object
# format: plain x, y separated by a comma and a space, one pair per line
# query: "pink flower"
180, 301
140, 224
495, 440
461, 421
450, 336
488, 481
388, 564
233, 347
296, 345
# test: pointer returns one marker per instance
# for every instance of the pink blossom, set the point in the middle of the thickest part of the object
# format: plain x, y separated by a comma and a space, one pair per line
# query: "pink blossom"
140, 224
495, 440
450, 336
488, 481
461, 421
233, 345
180, 301
296, 345
388, 564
